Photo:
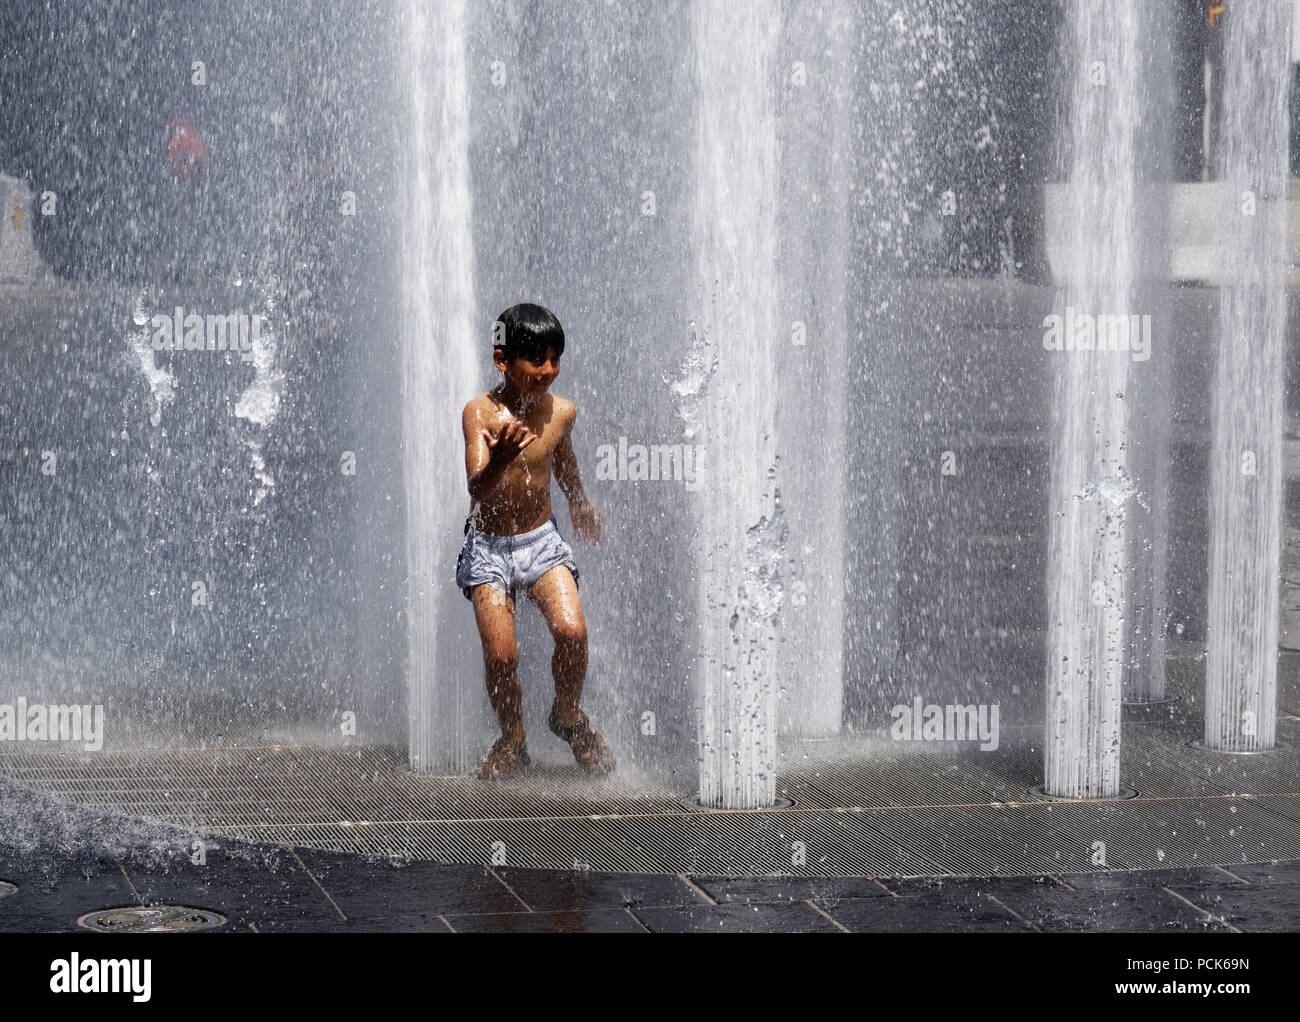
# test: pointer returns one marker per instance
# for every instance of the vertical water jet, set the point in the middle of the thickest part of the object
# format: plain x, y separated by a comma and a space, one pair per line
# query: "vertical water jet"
816, 175
439, 368
1246, 466
740, 526
1150, 394
1090, 486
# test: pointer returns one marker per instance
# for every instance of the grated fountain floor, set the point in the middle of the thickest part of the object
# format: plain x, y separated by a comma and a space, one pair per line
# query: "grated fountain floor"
862, 806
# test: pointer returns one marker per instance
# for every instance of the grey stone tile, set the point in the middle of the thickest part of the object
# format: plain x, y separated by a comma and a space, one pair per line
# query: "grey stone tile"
968, 885
1122, 910
1251, 908
819, 889
267, 888
419, 922
375, 888
606, 921
578, 890
793, 917
1200, 876
53, 890
926, 913
1285, 873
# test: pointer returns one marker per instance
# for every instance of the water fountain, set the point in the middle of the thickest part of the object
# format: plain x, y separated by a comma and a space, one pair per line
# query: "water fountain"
1151, 377
793, 236
734, 345
1247, 466
735, 238
1088, 569
441, 368
817, 158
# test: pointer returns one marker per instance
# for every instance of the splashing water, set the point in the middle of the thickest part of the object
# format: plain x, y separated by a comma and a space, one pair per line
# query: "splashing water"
1247, 464
162, 384
438, 370
1087, 550
735, 228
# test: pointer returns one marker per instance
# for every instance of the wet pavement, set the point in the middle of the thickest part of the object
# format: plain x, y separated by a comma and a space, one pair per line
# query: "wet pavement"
268, 888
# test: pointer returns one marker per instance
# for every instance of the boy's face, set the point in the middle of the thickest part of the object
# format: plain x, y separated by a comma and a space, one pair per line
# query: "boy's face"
530, 374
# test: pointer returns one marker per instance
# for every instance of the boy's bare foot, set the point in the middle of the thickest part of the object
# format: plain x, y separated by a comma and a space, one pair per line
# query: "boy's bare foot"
508, 756
589, 748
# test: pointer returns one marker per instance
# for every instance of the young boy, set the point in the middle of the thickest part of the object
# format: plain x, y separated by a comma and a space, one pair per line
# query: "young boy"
513, 434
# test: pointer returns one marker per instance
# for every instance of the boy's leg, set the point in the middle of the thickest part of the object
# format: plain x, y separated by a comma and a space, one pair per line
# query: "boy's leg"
494, 611
556, 596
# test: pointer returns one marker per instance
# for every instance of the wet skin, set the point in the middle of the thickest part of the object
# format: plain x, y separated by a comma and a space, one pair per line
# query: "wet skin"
514, 435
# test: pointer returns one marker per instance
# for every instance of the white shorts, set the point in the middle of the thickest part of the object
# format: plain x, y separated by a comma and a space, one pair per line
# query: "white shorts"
510, 563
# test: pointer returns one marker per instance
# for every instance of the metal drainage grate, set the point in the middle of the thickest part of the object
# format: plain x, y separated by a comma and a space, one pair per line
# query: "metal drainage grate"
7, 889
862, 805
692, 803
151, 919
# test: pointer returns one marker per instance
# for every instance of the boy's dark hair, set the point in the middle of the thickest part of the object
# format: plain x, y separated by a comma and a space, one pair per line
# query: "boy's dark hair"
527, 331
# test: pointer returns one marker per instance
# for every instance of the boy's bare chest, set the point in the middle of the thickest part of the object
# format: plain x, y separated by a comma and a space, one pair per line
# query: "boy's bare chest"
539, 453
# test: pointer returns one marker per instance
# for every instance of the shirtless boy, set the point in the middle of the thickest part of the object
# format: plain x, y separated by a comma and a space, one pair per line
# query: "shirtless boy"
513, 435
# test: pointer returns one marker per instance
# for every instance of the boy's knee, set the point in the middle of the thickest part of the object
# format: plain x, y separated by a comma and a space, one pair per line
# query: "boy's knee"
573, 635
501, 659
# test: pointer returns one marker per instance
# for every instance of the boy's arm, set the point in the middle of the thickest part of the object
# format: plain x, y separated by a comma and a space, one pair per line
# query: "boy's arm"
486, 460
566, 466
587, 521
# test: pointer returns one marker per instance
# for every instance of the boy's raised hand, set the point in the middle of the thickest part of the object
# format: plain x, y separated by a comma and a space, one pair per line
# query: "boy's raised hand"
512, 439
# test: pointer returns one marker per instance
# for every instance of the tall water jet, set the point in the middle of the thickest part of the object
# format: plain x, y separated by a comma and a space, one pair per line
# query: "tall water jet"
1150, 394
1247, 457
439, 370
740, 525
1147, 604
1090, 486
815, 177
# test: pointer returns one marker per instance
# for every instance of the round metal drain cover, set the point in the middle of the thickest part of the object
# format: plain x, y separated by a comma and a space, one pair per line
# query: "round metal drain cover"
7, 889
692, 802
1143, 704
1278, 746
1036, 792
151, 919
